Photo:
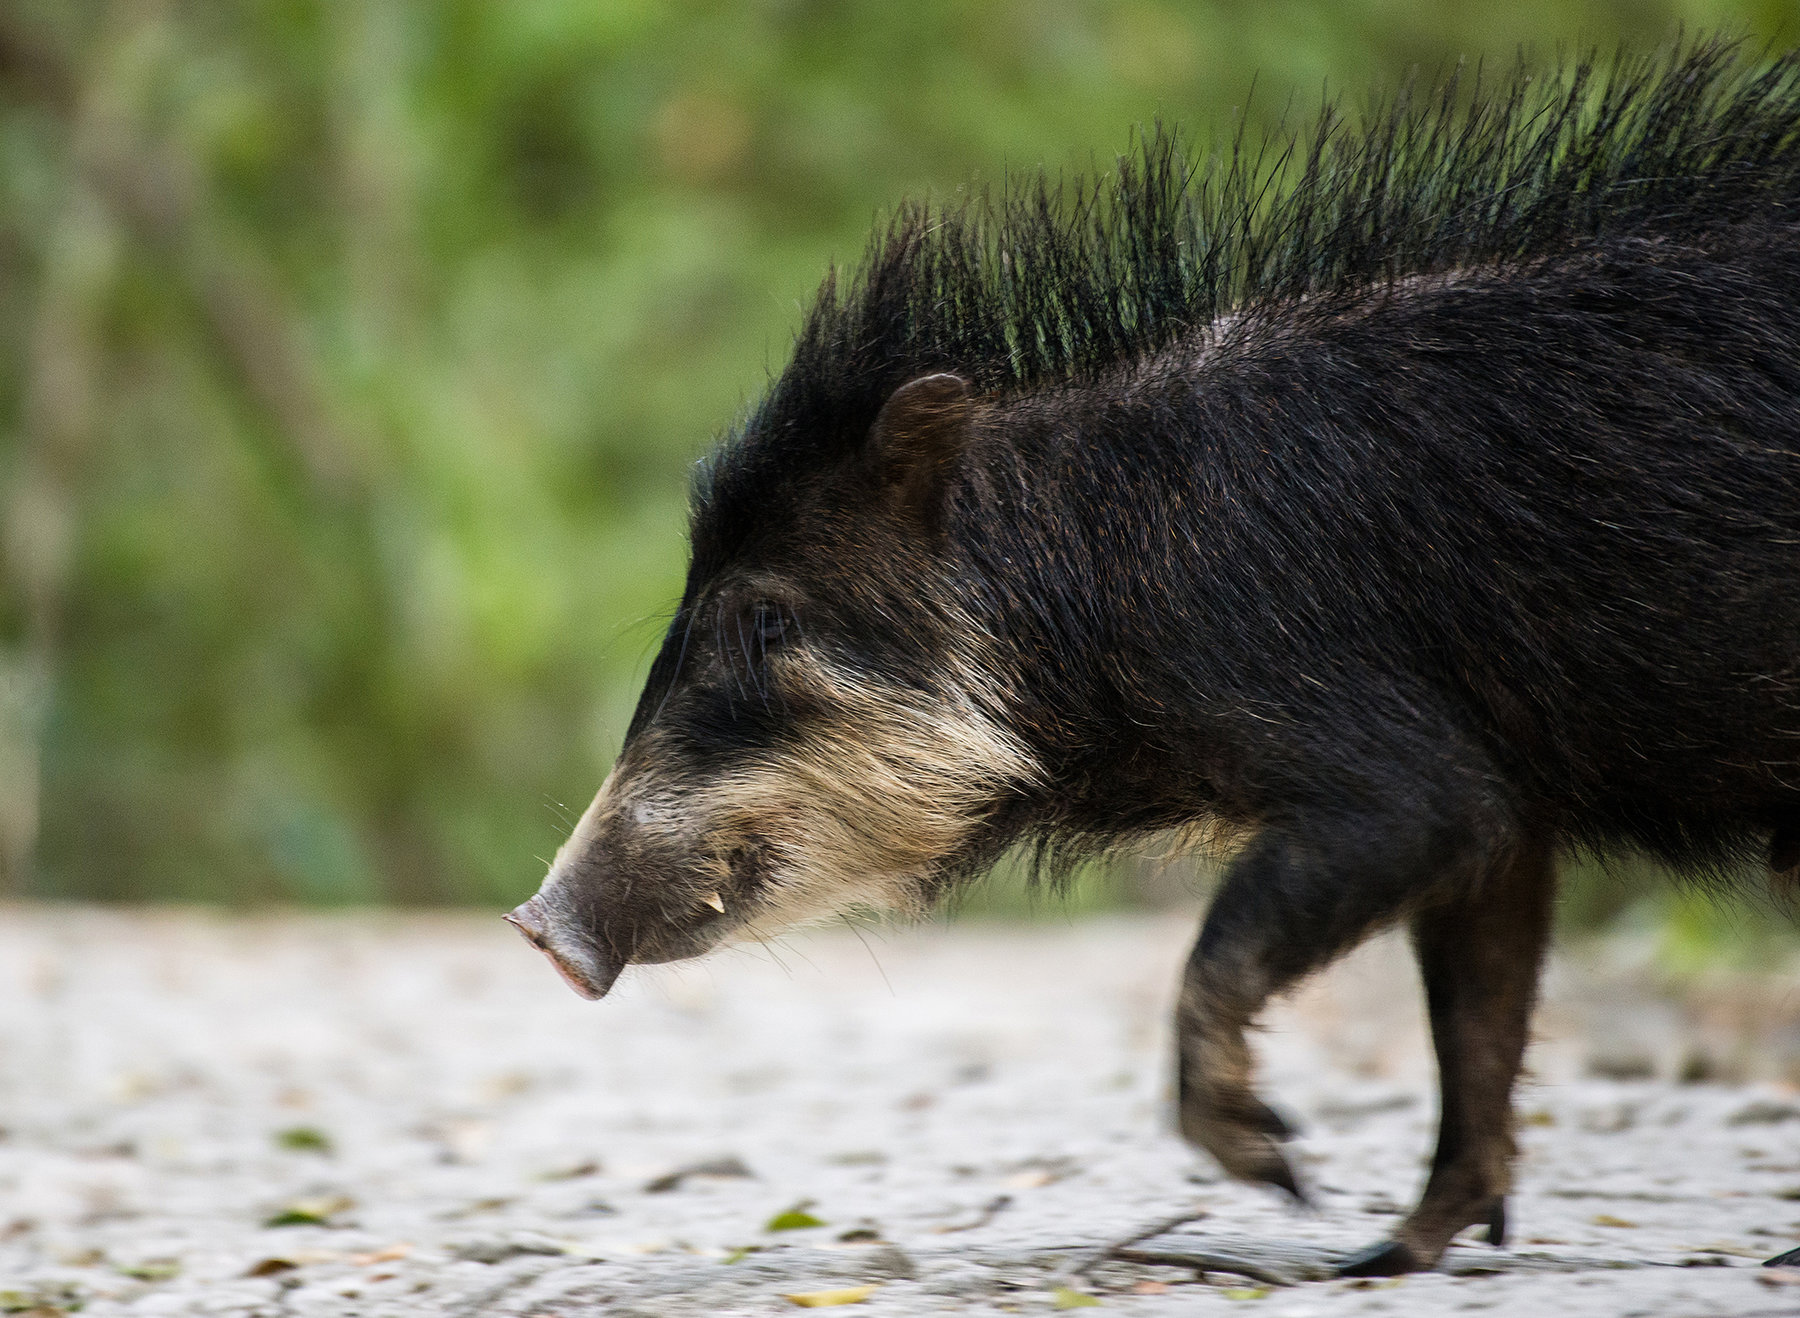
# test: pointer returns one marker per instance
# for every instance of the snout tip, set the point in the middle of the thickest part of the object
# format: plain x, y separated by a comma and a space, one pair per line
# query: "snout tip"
583, 966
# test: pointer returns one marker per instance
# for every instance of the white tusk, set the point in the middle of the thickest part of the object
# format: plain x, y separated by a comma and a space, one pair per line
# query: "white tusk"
715, 901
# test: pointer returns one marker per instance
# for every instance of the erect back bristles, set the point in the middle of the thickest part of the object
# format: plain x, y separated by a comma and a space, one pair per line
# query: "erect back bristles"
1054, 280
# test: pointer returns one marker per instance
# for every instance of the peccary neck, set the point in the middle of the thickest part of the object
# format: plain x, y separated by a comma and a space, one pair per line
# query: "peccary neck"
1082, 520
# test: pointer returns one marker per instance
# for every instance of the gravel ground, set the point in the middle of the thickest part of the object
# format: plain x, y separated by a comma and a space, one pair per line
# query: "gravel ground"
409, 1115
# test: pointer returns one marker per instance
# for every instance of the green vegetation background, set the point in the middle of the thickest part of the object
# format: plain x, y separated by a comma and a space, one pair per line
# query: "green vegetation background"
353, 357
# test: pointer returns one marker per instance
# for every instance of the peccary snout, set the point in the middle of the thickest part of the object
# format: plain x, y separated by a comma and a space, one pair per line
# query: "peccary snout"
589, 969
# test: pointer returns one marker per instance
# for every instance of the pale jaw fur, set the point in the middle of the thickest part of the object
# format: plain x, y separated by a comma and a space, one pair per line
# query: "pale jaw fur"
862, 808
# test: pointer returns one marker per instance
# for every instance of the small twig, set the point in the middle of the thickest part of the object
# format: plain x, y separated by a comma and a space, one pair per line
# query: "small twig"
1110, 1250
1205, 1261
989, 1211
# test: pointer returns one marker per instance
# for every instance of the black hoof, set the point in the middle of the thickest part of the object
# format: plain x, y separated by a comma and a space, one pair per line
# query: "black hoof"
1388, 1259
1791, 1259
1496, 1223
1271, 1122
1277, 1174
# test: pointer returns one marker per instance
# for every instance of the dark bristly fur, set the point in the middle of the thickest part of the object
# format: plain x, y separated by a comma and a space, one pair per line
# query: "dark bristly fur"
1055, 281
1546, 183
1419, 500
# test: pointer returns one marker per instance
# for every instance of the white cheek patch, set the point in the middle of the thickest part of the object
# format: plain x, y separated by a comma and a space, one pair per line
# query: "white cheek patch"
858, 811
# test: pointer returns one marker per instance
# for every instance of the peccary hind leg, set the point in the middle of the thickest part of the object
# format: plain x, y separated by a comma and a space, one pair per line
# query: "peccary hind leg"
1293, 901
1479, 954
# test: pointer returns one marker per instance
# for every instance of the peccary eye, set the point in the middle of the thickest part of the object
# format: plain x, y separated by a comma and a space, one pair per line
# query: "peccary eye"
769, 623
747, 640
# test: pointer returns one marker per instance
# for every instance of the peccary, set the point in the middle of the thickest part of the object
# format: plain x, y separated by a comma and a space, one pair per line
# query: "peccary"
1417, 504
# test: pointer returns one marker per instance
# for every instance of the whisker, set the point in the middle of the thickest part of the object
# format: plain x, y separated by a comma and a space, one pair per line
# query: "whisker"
680, 658
769, 949
762, 648
810, 963
781, 622
725, 648
749, 663
852, 927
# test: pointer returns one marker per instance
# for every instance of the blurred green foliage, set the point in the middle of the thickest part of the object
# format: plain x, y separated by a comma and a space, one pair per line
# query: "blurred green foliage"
352, 358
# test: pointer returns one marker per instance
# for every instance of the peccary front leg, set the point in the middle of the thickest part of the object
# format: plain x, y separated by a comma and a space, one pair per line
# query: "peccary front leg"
1296, 899
1479, 954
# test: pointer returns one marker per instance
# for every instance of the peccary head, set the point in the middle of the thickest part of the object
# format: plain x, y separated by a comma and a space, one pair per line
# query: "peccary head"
823, 727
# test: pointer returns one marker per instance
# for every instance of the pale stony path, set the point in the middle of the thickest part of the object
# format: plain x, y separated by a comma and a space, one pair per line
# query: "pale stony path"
972, 1106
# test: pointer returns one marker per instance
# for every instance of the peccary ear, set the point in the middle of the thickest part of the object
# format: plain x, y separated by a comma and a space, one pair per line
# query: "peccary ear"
915, 442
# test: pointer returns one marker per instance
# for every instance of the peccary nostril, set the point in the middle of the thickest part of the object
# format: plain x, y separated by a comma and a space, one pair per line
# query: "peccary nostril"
528, 919
584, 967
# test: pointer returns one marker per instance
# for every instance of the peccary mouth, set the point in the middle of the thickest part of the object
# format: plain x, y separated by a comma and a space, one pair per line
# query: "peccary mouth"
586, 968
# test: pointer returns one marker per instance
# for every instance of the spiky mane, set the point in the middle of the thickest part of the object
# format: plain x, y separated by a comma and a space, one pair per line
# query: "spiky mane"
1055, 281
